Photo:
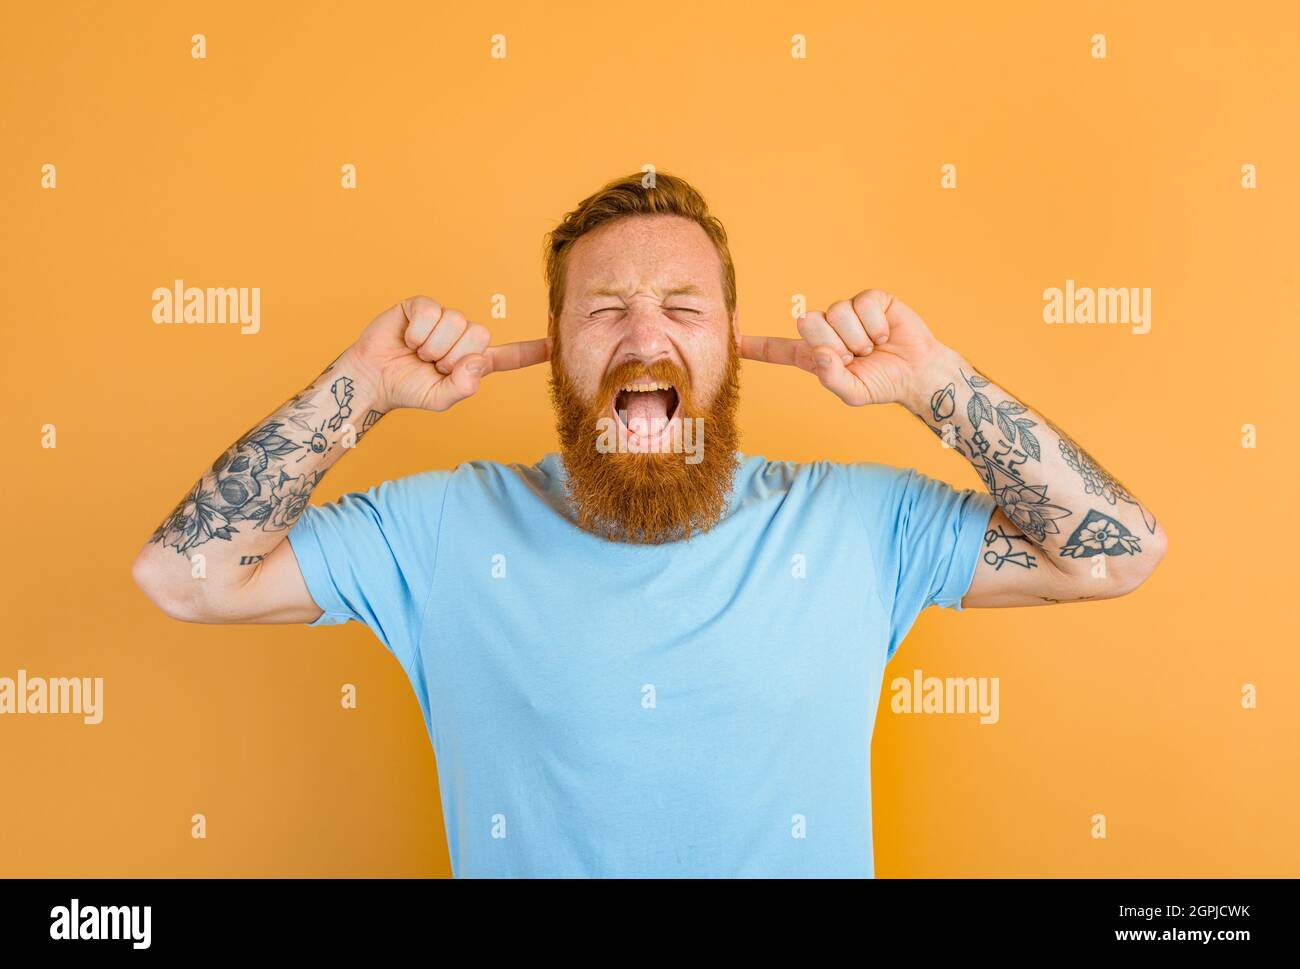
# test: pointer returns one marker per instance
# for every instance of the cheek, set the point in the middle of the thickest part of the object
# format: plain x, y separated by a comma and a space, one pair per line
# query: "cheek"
583, 370
708, 364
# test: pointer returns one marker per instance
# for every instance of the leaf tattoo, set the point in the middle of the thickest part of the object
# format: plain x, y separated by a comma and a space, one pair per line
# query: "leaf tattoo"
1028, 442
978, 409
1005, 410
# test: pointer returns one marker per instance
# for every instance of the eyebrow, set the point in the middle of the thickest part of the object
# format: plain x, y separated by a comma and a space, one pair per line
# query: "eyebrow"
676, 289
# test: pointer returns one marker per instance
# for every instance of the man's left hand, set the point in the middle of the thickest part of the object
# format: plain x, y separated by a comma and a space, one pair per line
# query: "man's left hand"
871, 349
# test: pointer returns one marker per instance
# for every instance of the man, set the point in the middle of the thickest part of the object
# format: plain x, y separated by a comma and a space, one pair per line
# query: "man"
649, 654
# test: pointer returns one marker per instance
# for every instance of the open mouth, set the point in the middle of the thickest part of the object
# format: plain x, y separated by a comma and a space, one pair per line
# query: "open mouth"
649, 412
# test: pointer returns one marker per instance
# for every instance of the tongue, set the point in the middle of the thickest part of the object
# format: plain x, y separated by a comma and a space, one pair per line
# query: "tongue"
649, 408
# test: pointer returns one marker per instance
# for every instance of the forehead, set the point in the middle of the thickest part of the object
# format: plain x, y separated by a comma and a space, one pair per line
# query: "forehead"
644, 251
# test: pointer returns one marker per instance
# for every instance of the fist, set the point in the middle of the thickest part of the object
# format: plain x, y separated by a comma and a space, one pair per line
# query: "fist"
871, 349
422, 354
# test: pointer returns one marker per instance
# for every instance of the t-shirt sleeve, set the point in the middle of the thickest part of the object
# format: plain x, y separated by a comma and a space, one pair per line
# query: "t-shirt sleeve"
370, 557
925, 539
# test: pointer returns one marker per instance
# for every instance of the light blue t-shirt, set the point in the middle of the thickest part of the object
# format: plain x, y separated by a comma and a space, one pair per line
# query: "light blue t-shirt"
698, 708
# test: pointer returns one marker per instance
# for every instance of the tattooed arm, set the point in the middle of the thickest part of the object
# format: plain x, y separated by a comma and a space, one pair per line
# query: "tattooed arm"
1064, 528
224, 542
220, 556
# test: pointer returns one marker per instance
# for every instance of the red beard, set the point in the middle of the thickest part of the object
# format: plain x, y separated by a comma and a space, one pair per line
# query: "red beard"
650, 497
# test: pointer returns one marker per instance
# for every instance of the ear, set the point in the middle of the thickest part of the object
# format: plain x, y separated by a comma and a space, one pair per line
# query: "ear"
735, 326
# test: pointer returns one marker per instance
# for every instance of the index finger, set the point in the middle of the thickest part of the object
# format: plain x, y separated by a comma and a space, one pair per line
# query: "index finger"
777, 349
513, 356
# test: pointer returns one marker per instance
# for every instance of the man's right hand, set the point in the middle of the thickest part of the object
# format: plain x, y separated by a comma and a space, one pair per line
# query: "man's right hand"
422, 354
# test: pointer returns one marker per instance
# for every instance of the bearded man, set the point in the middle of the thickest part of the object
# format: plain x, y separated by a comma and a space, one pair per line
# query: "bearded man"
649, 654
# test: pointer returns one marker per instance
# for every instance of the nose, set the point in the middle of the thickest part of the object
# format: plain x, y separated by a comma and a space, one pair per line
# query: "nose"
645, 338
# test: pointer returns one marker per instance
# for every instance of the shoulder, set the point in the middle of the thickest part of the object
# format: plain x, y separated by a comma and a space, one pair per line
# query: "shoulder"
394, 501
760, 473
494, 482
761, 478
464, 476
874, 479
868, 492
412, 492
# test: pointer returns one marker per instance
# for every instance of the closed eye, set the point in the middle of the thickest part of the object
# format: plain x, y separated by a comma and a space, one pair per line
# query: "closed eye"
675, 309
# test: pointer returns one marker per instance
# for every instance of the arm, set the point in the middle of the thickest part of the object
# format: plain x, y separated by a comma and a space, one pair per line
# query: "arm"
220, 556
1064, 528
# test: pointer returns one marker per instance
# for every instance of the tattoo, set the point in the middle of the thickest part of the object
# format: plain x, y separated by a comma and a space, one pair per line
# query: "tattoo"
317, 442
342, 391
1027, 506
1008, 458
197, 519
1100, 534
249, 485
997, 559
371, 419
1058, 601
1000, 462
1098, 481
943, 403
1001, 445
978, 409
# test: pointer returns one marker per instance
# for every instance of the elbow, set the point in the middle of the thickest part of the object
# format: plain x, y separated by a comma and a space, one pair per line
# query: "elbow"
161, 589
1154, 549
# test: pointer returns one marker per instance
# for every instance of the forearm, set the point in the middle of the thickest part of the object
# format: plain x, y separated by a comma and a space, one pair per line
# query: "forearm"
1064, 502
243, 506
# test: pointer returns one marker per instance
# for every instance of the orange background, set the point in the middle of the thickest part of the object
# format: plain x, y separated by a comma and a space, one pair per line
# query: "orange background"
225, 172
